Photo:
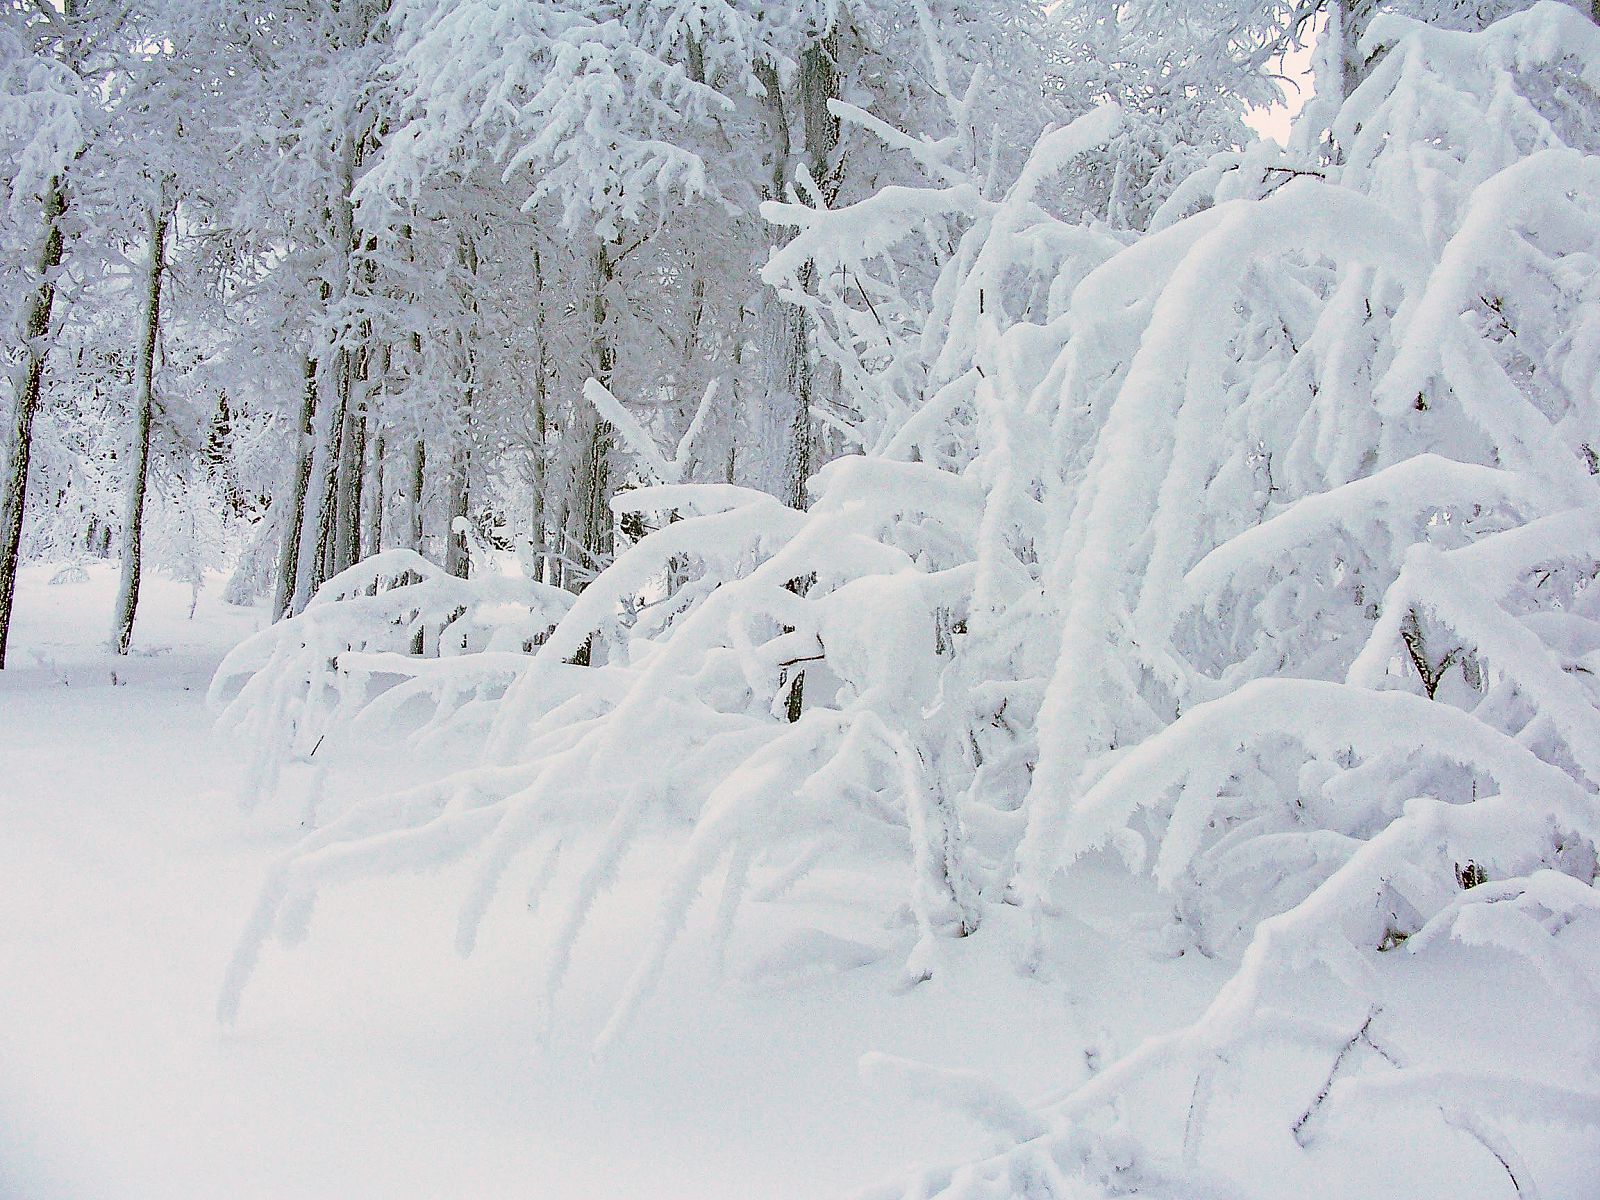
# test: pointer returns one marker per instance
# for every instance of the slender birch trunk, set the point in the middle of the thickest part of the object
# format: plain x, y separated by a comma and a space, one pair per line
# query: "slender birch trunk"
36, 329
143, 408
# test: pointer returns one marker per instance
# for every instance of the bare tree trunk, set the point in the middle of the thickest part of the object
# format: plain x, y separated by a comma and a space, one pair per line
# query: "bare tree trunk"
377, 497
320, 548
358, 366
594, 479
539, 471
419, 472
540, 479
316, 545
347, 499
456, 560
373, 537
293, 529
560, 573
594, 493
590, 508
788, 402
143, 406
35, 329
790, 376
1348, 25
736, 405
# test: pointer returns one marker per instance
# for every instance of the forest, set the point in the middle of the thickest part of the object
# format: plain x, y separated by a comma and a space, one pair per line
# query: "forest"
913, 599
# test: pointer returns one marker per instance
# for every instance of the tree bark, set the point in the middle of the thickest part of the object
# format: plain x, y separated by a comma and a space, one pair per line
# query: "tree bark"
373, 538
540, 476
319, 549
539, 470
347, 501
143, 408
456, 559
316, 546
374, 519
294, 528
790, 373
36, 327
592, 508
790, 396
419, 474
1353, 17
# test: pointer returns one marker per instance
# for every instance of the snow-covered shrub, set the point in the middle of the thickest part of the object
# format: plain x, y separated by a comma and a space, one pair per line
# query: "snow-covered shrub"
303, 680
188, 533
1329, 589
1262, 546
802, 653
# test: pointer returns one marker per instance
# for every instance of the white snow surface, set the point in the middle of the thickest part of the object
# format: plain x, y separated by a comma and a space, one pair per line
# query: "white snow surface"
373, 1062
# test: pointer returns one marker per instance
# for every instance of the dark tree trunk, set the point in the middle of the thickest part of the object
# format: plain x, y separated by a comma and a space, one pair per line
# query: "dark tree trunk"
374, 526
321, 546
294, 527
139, 464
592, 507
347, 503
419, 472
790, 372
36, 328
316, 556
456, 559
543, 568
419, 475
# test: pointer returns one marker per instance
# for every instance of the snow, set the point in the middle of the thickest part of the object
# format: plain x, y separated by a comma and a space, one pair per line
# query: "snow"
1164, 743
372, 1060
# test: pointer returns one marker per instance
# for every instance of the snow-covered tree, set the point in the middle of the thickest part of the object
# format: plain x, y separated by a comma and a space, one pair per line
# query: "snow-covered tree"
46, 121
1260, 547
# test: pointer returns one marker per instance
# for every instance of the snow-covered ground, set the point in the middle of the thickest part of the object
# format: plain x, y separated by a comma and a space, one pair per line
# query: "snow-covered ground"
372, 1061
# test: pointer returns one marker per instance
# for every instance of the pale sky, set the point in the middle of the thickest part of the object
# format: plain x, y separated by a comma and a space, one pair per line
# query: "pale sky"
1274, 122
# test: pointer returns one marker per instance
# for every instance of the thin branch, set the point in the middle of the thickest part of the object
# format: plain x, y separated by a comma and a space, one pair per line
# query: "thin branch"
1301, 1136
